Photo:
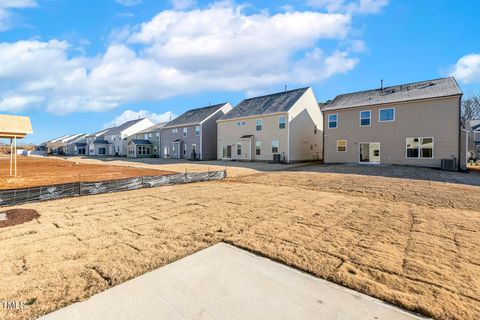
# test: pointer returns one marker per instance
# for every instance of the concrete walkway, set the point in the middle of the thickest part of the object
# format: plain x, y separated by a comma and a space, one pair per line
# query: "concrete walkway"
224, 282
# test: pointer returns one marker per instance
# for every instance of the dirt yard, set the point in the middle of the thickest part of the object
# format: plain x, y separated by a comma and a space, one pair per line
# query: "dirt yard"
36, 171
411, 243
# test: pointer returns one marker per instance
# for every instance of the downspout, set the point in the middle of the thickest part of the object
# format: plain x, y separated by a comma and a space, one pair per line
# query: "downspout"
459, 133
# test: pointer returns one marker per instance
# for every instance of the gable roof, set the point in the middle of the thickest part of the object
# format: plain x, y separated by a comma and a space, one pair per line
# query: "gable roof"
194, 116
126, 125
443, 87
153, 128
272, 103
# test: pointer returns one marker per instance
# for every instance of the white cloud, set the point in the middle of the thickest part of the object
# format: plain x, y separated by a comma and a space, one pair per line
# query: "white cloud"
183, 4
132, 115
467, 68
5, 10
128, 3
179, 52
19, 103
349, 6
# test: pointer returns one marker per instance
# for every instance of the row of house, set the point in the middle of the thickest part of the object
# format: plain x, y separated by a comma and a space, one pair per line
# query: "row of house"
410, 124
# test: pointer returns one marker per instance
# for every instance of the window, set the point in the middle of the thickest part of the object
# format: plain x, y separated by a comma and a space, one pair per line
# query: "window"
258, 148
184, 149
145, 136
275, 145
241, 123
332, 121
149, 136
282, 122
386, 115
174, 130
197, 131
158, 135
365, 118
239, 149
258, 125
341, 145
194, 148
420, 148
185, 130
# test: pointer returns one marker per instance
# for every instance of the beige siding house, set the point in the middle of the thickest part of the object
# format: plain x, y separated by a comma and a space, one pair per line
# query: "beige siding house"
286, 126
414, 124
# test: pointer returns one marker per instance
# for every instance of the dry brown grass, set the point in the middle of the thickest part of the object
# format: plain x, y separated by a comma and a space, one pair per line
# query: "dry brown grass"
36, 171
407, 242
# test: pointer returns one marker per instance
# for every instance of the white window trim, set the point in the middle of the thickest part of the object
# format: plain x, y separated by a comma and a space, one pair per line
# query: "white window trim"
369, 118
346, 143
394, 114
261, 124
419, 148
256, 148
285, 122
328, 121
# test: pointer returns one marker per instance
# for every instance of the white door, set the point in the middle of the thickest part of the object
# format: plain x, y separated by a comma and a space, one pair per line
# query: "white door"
369, 152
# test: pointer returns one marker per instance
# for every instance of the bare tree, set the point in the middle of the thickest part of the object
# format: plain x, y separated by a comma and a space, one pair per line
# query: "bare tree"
470, 109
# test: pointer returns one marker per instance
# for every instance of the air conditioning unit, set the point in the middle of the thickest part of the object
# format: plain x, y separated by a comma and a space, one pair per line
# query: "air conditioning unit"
449, 164
276, 158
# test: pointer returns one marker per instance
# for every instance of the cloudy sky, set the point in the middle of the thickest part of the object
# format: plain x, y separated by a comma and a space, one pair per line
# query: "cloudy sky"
74, 67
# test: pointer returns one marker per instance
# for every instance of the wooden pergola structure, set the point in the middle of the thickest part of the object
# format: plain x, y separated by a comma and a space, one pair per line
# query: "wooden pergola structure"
13, 128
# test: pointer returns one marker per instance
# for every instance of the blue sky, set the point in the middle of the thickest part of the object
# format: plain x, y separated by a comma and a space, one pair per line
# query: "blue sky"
74, 67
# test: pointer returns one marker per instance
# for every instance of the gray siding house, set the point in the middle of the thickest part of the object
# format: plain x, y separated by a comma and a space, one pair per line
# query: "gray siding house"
473, 129
146, 143
193, 135
414, 124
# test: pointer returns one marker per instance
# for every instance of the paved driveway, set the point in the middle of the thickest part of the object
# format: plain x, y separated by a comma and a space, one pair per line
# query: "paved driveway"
224, 282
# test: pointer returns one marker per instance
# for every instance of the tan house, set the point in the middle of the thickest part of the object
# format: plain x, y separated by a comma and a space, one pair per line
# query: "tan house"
285, 126
414, 124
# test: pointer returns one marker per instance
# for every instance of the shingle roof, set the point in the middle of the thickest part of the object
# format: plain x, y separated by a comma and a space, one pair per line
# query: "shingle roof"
120, 128
436, 88
194, 116
272, 103
100, 142
140, 142
153, 128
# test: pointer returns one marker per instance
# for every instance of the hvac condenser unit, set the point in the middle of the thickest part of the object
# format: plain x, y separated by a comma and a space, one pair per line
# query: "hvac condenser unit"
449, 164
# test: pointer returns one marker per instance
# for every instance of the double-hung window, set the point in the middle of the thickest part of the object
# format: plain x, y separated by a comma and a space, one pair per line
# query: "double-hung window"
341, 145
275, 146
419, 148
282, 122
258, 148
386, 115
258, 125
365, 118
239, 149
185, 130
197, 131
332, 121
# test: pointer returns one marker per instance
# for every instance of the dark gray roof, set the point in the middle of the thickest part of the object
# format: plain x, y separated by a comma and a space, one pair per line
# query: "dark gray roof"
194, 116
140, 142
436, 88
154, 128
80, 144
100, 142
246, 136
126, 125
272, 103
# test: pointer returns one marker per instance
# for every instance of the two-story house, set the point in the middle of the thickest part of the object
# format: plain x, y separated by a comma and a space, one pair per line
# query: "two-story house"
285, 126
117, 137
146, 143
473, 127
414, 124
193, 135
96, 144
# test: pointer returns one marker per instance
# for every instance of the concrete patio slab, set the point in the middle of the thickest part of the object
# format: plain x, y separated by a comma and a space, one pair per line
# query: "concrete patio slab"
224, 282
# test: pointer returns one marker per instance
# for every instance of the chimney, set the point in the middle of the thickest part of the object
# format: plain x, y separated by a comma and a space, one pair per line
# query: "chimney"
381, 84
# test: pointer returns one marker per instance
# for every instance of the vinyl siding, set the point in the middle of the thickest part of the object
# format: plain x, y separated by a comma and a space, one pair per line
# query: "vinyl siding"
208, 132
168, 137
304, 117
229, 134
437, 118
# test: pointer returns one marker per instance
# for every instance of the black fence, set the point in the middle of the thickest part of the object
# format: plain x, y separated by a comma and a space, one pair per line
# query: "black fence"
59, 191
